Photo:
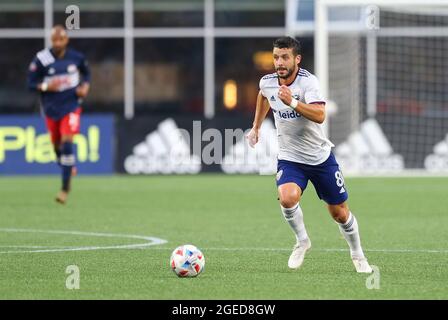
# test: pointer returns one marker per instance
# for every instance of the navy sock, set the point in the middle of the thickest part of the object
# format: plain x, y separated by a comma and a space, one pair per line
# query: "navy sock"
67, 163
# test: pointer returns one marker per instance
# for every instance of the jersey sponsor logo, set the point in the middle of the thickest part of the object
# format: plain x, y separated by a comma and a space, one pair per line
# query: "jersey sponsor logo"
288, 114
65, 81
71, 68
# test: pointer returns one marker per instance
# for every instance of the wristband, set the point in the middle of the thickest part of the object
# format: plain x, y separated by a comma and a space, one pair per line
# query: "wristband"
294, 103
44, 86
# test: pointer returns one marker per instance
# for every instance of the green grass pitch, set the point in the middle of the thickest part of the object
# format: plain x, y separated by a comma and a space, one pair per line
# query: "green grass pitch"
236, 222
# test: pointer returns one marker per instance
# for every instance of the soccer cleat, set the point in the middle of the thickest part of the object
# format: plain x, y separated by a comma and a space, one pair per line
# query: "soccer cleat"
62, 197
298, 254
361, 265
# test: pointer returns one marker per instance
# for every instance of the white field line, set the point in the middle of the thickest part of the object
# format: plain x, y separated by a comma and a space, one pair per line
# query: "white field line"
35, 247
152, 241
149, 241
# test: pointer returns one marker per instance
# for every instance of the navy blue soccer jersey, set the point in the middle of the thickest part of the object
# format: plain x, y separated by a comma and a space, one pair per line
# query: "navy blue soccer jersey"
70, 71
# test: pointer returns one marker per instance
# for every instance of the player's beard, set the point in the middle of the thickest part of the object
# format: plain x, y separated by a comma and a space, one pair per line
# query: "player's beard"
59, 51
287, 75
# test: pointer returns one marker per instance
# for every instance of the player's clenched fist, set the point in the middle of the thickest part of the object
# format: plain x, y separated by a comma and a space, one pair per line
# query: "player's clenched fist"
285, 95
252, 137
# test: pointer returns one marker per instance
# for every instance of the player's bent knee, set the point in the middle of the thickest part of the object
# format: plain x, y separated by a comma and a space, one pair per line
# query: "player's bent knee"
288, 202
339, 212
289, 196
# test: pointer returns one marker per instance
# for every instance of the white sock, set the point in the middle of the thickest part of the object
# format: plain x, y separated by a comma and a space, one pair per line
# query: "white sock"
350, 231
294, 217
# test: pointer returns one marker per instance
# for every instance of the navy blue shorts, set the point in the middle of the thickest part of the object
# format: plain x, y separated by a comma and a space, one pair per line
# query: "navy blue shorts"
326, 177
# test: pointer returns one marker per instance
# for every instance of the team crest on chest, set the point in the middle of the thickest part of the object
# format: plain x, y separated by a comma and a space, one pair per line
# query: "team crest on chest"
71, 68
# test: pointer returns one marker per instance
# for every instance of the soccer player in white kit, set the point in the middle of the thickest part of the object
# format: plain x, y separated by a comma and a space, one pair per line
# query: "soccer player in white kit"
305, 154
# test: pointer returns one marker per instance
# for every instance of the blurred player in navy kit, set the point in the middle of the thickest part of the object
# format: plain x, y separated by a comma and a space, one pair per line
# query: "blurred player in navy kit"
61, 76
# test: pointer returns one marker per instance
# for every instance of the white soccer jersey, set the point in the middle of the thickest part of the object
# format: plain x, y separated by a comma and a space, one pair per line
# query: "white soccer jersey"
299, 139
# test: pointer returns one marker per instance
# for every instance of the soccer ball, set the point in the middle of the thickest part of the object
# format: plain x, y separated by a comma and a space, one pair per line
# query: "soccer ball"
187, 261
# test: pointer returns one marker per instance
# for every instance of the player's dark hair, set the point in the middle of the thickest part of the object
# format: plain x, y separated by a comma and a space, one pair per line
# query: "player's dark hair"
288, 43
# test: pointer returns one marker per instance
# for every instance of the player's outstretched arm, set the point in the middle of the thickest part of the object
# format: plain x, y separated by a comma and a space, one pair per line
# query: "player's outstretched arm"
261, 111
